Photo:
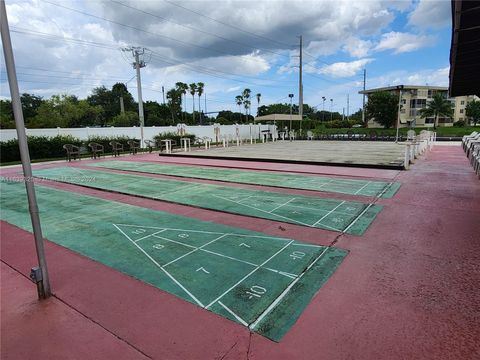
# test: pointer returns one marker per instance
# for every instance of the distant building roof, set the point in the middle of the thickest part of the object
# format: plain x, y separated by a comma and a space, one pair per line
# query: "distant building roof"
278, 117
403, 87
465, 48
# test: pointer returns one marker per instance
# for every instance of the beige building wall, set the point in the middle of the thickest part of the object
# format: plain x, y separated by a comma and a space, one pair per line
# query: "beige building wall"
414, 98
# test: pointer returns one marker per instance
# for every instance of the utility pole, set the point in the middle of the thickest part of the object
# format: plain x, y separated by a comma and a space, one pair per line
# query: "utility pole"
363, 103
290, 130
138, 64
399, 88
163, 95
205, 98
300, 82
331, 105
348, 105
39, 274
122, 106
323, 108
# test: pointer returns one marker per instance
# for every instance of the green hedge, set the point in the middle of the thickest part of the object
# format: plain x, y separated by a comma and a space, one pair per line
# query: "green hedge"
43, 147
173, 136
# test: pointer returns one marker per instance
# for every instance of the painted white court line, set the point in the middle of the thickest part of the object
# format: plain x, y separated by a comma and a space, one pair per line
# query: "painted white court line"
219, 254
358, 217
205, 232
147, 236
285, 292
279, 206
194, 250
246, 276
385, 190
280, 216
363, 187
243, 322
160, 267
331, 211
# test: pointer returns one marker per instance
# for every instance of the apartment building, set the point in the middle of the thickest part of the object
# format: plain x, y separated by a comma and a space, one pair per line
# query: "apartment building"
413, 98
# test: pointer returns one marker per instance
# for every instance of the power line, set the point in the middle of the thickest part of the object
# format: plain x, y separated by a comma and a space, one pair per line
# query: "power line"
229, 25
197, 29
183, 43
198, 68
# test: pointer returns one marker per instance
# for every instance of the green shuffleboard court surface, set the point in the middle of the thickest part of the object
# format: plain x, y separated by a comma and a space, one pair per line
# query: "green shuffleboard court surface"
318, 183
261, 282
331, 214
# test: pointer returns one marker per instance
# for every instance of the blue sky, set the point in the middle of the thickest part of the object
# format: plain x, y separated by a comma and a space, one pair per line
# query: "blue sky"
72, 46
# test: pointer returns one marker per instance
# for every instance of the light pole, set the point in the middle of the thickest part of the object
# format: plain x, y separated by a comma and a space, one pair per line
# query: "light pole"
323, 108
38, 274
331, 105
290, 130
399, 88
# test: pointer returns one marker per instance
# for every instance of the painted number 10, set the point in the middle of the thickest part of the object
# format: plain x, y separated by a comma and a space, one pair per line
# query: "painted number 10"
297, 255
256, 291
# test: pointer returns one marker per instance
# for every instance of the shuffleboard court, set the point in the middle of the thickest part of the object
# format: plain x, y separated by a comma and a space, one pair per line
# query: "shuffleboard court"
259, 281
317, 183
330, 214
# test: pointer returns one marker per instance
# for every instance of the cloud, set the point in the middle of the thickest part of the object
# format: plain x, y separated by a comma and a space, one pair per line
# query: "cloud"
357, 47
404, 42
431, 14
344, 69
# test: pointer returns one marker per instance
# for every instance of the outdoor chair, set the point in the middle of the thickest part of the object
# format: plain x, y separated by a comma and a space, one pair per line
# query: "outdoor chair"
150, 145
309, 135
73, 151
117, 148
373, 135
133, 146
96, 149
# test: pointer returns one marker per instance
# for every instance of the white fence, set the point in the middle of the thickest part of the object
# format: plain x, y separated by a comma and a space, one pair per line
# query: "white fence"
244, 131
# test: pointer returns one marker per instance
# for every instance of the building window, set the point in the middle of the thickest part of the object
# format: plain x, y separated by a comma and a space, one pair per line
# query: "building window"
418, 103
461, 111
462, 102
404, 101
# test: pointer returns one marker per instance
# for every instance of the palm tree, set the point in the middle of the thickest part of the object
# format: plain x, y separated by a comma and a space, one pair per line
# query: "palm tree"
200, 87
246, 101
193, 91
258, 101
239, 101
182, 89
439, 106
174, 101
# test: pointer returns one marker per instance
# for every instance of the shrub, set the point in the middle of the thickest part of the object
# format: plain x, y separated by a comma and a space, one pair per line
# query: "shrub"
460, 123
40, 147
173, 136
105, 141
43, 147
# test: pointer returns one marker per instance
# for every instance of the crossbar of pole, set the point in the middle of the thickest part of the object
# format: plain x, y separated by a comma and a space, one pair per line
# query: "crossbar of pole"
43, 285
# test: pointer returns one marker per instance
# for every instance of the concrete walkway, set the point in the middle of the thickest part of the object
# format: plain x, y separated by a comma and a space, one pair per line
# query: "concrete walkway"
407, 290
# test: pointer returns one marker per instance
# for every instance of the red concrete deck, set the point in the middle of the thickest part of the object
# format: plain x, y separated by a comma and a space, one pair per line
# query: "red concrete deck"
407, 290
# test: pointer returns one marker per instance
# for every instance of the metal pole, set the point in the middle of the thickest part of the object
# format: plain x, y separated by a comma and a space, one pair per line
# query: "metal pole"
290, 130
398, 110
331, 114
140, 100
348, 106
363, 101
300, 82
163, 95
43, 284
122, 106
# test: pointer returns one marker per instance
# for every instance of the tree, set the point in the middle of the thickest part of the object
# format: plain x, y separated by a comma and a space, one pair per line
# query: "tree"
182, 89
174, 102
438, 106
258, 101
193, 91
382, 106
129, 118
109, 100
200, 87
157, 114
30, 105
239, 102
472, 110
6, 115
246, 100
